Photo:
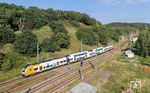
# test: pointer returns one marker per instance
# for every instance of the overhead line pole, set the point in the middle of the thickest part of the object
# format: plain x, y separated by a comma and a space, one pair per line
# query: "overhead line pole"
37, 53
81, 48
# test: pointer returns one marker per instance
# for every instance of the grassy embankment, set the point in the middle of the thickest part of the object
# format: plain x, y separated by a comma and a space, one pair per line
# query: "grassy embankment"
115, 76
122, 71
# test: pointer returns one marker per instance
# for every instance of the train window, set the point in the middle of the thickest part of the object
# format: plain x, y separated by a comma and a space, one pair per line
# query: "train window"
40, 67
35, 69
47, 66
57, 63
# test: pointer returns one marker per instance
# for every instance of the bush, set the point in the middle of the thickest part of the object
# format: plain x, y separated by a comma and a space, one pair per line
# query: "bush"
76, 24
13, 60
49, 46
6, 35
61, 39
55, 43
88, 36
26, 43
7, 65
57, 27
103, 37
142, 46
2, 57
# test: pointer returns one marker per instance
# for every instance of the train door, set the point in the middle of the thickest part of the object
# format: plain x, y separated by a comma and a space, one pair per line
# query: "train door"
41, 68
57, 63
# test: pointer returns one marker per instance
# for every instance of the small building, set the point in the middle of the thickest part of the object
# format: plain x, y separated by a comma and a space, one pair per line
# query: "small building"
129, 54
83, 88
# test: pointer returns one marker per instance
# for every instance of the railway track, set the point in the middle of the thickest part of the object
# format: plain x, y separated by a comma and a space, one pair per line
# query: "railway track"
61, 84
74, 78
10, 81
41, 85
42, 76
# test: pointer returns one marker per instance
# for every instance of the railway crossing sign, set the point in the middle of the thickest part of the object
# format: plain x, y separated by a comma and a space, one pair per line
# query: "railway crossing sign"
135, 86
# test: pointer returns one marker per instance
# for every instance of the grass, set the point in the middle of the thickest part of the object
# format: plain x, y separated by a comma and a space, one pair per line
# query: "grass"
7, 48
122, 72
8, 75
42, 33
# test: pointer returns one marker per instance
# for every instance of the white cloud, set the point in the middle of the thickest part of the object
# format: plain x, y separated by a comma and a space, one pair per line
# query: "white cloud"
136, 1
110, 2
114, 2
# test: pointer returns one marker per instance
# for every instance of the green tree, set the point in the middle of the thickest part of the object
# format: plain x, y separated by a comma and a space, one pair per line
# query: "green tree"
88, 36
7, 65
86, 20
76, 24
49, 46
35, 18
2, 57
103, 34
115, 34
142, 46
6, 35
61, 39
57, 27
51, 14
26, 43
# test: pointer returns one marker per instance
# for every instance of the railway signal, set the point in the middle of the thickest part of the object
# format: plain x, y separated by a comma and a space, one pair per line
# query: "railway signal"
81, 62
81, 76
68, 61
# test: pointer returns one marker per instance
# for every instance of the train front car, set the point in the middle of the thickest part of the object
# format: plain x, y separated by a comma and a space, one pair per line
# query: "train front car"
23, 72
29, 70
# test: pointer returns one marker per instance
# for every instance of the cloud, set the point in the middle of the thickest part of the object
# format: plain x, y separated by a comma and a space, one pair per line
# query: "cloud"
136, 1
110, 2
115, 2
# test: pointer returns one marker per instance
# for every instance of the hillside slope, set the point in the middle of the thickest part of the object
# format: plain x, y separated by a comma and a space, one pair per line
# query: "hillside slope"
74, 47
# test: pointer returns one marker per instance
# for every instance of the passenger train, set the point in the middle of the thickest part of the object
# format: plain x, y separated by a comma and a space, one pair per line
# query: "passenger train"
32, 69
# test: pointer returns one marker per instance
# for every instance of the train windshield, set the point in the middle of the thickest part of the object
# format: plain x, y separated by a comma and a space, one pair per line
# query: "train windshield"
23, 70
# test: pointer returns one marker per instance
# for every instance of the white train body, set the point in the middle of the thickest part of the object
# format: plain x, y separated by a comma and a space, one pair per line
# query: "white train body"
47, 65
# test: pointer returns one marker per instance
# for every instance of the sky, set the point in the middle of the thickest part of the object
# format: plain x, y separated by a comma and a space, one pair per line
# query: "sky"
105, 11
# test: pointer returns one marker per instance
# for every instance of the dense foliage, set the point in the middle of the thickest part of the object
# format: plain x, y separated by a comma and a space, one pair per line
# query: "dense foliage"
57, 27
95, 35
133, 26
19, 17
13, 61
26, 43
88, 36
2, 57
142, 46
6, 35
75, 24
49, 46
61, 39
56, 42
35, 18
